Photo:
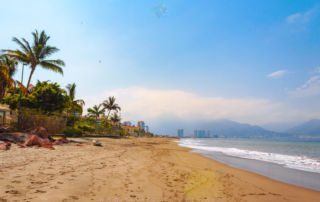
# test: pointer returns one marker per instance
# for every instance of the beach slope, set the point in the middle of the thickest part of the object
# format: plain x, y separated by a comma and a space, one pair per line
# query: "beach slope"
138, 169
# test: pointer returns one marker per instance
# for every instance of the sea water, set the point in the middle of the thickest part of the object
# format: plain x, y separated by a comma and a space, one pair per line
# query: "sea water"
292, 162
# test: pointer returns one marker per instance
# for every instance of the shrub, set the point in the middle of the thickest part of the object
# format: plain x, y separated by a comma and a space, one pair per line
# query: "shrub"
45, 96
72, 132
86, 127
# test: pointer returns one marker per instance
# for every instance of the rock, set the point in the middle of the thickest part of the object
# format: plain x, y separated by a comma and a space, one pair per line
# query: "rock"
5, 146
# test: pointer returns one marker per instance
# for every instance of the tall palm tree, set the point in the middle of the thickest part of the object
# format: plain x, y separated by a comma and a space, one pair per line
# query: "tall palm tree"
37, 54
96, 111
115, 118
74, 105
110, 105
7, 70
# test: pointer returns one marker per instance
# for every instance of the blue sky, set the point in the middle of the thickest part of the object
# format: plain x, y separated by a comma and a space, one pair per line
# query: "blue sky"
250, 61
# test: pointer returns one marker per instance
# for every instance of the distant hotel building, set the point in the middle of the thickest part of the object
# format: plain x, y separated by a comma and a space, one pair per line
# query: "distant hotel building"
201, 133
180, 133
147, 129
127, 123
141, 125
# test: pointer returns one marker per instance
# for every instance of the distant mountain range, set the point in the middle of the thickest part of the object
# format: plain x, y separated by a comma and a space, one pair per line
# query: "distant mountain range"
309, 129
231, 129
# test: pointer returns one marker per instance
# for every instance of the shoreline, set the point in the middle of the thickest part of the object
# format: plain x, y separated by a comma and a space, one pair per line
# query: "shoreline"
135, 169
291, 176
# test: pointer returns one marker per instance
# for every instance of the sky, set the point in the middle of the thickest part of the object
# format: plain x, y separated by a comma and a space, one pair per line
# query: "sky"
250, 61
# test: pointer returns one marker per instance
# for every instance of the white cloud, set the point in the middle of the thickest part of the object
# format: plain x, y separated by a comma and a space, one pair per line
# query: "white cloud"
310, 88
277, 74
150, 104
301, 17
157, 105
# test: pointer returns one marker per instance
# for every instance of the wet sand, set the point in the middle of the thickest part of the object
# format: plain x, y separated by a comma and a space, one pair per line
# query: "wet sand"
143, 169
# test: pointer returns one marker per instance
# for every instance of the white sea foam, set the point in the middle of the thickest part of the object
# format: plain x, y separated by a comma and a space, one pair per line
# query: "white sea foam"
295, 162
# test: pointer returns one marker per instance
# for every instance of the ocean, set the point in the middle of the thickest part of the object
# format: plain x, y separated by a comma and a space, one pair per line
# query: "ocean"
296, 163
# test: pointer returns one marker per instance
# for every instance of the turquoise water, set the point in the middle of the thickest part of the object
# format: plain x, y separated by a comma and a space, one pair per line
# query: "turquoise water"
292, 162
296, 155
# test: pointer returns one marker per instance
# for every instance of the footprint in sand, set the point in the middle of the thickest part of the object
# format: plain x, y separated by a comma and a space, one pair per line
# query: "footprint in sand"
74, 197
9, 187
12, 192
40, 191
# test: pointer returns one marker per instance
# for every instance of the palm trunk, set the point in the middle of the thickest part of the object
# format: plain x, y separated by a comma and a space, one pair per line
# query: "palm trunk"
108, 114
2, 90
29, 80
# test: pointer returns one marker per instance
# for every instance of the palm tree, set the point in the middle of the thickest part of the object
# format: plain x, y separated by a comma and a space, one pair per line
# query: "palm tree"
96, 111
7, 70
111, 105
37, 54
115, 118
74, 105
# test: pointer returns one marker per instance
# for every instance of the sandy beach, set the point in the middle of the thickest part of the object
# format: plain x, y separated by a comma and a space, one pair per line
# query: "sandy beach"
137, 169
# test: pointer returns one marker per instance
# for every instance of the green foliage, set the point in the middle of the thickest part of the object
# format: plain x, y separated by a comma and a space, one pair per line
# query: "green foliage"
111, 105
48, 97
72, 132
72, 120
74, 106
45, 96
96, 111
86, 128
8, 68
36, 54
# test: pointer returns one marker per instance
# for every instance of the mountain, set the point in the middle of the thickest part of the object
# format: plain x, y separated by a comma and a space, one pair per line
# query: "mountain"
308, 129
227, 128
220, 128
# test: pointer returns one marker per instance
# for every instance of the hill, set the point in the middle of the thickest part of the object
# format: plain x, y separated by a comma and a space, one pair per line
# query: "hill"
309, 129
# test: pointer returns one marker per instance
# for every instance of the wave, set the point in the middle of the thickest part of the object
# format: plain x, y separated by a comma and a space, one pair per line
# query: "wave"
295, 162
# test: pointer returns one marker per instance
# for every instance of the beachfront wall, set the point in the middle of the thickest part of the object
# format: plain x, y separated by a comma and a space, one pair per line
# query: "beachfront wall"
7, 116
30, 119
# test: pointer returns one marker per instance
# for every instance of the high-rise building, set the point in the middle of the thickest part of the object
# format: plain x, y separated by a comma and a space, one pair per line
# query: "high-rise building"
199, 133
147, 129
180, 133
127, 123
141, 125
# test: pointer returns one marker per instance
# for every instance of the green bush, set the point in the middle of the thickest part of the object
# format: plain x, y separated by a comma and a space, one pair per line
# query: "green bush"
86, 127
72, 132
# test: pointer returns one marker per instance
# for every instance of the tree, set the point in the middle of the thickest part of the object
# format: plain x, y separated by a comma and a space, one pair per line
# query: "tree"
48, 97
45, 96
96, 111
115, 118
74, 106
7, 70
110, 105
37, 54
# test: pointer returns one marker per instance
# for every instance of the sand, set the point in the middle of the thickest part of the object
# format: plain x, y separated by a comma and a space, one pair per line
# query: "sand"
138, 169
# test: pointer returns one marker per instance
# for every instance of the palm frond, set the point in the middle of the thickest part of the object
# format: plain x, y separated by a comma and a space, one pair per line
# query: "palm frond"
18, 55
47, 51
52, 65
80, 102
16, 40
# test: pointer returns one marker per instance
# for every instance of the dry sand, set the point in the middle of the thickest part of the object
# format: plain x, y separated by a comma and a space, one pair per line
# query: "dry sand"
146, 169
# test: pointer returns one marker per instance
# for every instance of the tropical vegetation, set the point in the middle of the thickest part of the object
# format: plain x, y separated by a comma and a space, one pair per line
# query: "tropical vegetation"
8, 68
46, 102
36, 55
96, 111
111, 105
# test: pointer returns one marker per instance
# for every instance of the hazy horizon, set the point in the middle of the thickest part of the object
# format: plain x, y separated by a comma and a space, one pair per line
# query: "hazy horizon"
251, 61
